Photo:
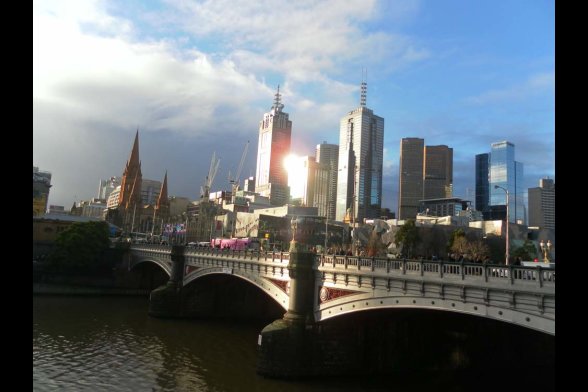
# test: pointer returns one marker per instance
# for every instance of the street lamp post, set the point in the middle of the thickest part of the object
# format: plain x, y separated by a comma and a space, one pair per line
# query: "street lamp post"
545, 249
507, 222
326, 230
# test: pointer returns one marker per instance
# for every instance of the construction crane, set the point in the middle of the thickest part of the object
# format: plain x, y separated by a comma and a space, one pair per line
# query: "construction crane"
235, 181
205, 189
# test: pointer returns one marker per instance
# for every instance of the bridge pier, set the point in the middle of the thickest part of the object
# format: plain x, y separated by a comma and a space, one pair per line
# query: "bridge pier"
286, 345
166, 301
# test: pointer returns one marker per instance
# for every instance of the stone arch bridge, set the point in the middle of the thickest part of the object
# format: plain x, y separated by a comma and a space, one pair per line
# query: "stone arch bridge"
313, 288
343, 284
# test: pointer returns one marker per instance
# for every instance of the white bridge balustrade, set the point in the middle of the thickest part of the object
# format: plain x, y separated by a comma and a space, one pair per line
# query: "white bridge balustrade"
519, 295
266, 270
343, 284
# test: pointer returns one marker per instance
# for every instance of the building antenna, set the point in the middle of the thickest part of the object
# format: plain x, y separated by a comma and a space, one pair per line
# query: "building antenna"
363, 99
277, 101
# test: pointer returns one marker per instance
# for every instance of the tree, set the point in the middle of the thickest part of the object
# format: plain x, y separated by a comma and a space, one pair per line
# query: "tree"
459, 233
478, 250
526, 252
375, 246
80, 247
408, 236
460, 245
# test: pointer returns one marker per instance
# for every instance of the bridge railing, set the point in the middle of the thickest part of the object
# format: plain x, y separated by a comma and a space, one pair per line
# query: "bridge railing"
253, 255
452, 270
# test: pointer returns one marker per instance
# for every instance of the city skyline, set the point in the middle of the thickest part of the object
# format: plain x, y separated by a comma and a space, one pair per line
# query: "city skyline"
195, 77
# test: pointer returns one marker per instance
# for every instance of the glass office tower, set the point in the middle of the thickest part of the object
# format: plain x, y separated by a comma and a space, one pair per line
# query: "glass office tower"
507, 173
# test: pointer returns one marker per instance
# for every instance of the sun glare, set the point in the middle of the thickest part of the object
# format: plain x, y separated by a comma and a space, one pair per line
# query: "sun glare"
296, 175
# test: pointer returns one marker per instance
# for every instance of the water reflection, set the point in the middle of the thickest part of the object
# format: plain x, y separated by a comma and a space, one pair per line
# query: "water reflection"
111, 344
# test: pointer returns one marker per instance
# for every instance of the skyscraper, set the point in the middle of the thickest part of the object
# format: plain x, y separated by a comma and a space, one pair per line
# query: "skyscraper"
542, 204
426, 172
410, 190
507, 173
275, 135
311, 185
107, 186
438, 172
41, 185
361, 155
328, 155
482, 182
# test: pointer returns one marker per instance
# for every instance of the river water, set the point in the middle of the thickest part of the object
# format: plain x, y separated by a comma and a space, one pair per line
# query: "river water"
111, 344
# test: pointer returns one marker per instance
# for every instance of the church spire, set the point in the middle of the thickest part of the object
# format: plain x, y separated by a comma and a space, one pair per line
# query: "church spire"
134, 158
130, 190
162, 199
135, 194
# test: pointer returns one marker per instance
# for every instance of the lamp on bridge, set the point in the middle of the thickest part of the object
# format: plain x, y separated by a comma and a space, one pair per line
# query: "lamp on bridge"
507, 221
545, 249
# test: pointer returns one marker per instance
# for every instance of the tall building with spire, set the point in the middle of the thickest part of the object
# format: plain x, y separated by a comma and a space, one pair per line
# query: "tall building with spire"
361, 155
275, 136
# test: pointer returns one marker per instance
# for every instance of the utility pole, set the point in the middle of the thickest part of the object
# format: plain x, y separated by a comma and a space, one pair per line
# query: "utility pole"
353, 207
326, 225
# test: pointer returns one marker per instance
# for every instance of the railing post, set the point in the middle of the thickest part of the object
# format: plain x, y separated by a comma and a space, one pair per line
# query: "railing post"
539, 276
485, 267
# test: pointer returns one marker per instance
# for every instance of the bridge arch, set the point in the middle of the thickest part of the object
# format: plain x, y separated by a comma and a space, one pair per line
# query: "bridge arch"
343, 306
266, 286
164, 265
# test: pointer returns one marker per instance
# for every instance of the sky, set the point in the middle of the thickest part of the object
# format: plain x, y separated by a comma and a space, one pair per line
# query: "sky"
196, 77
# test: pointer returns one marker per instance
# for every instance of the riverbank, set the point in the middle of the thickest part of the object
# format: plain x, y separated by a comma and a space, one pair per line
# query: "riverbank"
64, 289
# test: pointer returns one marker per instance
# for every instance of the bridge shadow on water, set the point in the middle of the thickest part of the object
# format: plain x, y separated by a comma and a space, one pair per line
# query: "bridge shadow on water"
395, 349
414, 350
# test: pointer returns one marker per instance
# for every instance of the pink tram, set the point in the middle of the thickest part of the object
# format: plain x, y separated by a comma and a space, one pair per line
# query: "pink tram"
235, 243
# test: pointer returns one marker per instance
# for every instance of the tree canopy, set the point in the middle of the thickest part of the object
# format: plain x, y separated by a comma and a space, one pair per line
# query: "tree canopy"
408, 236
526, 252
80, 246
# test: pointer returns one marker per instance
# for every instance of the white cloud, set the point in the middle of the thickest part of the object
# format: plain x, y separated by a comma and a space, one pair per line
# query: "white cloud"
301, 39
534, 85
96, 76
